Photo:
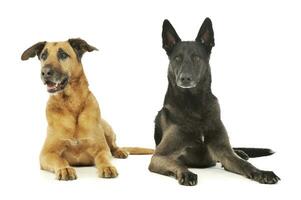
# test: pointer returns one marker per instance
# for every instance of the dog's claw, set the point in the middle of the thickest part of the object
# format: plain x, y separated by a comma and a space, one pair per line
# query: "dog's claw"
108, 172
66, 174
264, 177
188, 178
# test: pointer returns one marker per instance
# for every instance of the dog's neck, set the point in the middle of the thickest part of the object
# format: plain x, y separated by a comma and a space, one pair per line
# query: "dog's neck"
77, 86
75, 93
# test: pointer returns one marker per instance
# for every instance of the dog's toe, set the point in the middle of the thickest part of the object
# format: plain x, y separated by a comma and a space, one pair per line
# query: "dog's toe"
188, 178
66, 174
108, 172
265, 177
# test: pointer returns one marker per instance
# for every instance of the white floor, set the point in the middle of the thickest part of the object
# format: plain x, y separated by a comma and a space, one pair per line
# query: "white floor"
136, 182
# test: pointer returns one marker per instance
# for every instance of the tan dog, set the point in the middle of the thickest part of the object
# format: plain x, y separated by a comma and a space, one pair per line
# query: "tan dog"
77, 135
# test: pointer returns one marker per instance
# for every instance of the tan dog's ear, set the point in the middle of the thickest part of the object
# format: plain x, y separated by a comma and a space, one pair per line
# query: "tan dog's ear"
80, 47
33, 51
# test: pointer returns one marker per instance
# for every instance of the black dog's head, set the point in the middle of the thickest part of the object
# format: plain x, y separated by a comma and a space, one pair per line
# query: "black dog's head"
189, 61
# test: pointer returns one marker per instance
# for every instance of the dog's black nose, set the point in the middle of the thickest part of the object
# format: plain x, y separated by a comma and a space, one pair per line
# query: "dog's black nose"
185, 78
47, 72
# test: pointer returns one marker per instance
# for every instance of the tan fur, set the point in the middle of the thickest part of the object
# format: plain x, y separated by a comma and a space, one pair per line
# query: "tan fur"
76, 134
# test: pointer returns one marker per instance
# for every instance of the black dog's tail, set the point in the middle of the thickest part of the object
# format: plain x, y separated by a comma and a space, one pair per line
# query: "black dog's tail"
254, 152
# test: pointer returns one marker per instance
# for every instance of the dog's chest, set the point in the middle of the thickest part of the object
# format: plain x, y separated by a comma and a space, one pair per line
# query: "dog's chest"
78, 143
76, 151
188, 120
74, 143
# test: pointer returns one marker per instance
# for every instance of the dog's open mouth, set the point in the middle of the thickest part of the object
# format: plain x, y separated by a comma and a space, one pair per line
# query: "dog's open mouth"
53, 87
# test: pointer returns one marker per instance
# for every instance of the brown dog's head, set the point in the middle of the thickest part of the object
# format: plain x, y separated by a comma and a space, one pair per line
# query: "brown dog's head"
60, 61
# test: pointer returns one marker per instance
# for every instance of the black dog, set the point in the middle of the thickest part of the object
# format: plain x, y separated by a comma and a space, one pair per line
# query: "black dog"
188, 129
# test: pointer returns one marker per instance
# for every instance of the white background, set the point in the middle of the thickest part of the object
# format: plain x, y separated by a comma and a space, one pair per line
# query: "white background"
256, 76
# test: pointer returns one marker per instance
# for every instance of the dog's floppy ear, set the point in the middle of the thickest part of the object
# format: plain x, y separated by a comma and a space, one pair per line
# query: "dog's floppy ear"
80, 47
169, 36
33, 51
206, 35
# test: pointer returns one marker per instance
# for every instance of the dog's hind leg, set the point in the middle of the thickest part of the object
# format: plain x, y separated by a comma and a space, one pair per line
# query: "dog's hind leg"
111, 140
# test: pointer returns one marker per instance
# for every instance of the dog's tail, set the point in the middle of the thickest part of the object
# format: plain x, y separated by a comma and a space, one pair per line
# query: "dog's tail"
138, 150
255, 152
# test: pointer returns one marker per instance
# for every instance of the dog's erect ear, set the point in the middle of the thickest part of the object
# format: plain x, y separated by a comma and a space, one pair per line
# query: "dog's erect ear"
80, 47
169, 36
33, 51
206, 35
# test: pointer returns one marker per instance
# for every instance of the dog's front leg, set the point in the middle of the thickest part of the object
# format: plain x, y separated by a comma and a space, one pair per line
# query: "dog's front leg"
100, 151
53, 162
166, 161
89, 125
103, 164
51, 155
220, 149
168, 166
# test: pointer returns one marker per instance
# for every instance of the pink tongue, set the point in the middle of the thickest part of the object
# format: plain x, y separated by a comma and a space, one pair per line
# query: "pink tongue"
51, 85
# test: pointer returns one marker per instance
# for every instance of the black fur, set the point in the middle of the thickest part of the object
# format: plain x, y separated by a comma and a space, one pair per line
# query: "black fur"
188, 129
254, 152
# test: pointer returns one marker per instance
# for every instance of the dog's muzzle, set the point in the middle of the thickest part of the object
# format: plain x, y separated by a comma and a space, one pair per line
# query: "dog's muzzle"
185, 80
55, 80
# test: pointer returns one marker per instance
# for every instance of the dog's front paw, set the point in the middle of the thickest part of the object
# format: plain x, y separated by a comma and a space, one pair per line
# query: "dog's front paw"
187, 178
265, 177
120, 153
107, 172
66, 174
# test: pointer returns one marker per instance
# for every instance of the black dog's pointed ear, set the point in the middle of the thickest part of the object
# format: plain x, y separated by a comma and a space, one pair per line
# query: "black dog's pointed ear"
80, 47
206, 35
169, 36
33, 51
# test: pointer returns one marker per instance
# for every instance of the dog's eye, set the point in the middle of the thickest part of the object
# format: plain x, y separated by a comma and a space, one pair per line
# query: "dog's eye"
62, 55
196, 58
178, 59
44, 56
